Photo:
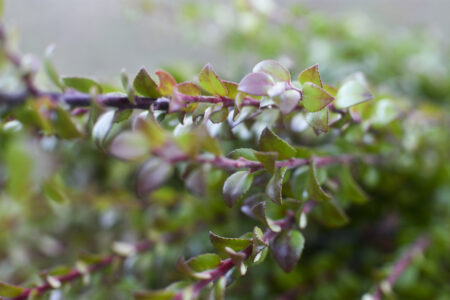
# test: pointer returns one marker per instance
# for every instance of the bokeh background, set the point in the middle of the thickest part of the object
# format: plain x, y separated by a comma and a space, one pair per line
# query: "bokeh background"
101, 37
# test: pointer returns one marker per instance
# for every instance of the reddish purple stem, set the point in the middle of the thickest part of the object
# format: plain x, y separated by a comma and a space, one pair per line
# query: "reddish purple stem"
400, 266
75, 273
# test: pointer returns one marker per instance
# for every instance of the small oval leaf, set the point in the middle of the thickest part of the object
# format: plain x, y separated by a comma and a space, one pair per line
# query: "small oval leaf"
287, 248
256, 84
236, 186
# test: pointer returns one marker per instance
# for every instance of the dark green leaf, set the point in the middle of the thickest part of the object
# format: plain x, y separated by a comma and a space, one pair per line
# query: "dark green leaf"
204, 262
246, 153
287, 248
236, 186
330, 214
237, 244
196, 266
267, 159
350, 188
273, 188
122, 115
270, 142
315, 191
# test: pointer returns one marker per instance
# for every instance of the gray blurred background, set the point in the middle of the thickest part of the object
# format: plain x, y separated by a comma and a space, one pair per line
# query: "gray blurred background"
100, 37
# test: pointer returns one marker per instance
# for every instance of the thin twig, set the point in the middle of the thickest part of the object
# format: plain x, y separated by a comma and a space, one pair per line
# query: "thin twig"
419, 246
226, 265
76, 273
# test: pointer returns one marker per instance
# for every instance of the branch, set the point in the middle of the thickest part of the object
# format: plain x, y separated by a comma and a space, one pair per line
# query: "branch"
75, 273
227, 264
419, 246
229, 163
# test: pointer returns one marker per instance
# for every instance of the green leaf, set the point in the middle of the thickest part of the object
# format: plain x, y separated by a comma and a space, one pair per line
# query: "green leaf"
274, 69
259, 211
219, 289
64, 125
287, 248
232, 88
210, 82
130, 145
204, 262
383, 112
155, 295
188, 88
274, 187
50, 69
350, 188
19, 167
121, 115
258, 244
166, 83
219, 116
82, 84
236, 186
310, 74
267, 159
54, 190
332, 90
270, 142
352, 92
318, 120
330, 214
238, 259
196, 266
237, 244
246, 153
145, 85
314, 97
127, 87
153, 173
10, 291
315, 191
